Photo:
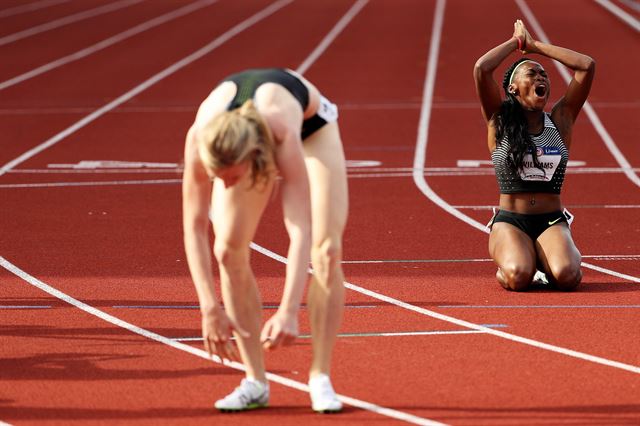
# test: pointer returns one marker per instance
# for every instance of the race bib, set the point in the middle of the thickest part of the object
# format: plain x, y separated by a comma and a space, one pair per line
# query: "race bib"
549, 158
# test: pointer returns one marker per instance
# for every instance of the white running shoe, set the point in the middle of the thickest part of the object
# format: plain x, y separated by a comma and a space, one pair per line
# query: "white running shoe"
323, 397
249, 395
540, 278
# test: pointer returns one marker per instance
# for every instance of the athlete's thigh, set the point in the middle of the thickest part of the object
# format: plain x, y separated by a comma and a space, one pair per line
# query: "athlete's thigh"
509, 245
555, 246
236, 210
326, 166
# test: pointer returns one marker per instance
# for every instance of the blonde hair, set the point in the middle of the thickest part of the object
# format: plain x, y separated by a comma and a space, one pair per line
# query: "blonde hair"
235, 136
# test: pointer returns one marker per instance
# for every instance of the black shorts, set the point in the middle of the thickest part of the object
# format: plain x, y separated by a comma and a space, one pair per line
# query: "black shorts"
532, 224
327, 113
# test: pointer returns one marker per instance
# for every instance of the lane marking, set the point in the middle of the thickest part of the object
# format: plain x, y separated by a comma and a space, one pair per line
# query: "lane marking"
621, 14
95, 183
466, 324
270, 376
421, 183
91, 13
381, 334
422, 140
24, 307
303, 306
208, 48
162, 19
199, 352
540, 306
631, 4
593, 256
331, 36
12, 11
569, 206
112, 164
588, 109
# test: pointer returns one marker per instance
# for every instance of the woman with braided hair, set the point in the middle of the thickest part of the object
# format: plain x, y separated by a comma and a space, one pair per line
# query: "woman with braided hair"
257, 125
530, 149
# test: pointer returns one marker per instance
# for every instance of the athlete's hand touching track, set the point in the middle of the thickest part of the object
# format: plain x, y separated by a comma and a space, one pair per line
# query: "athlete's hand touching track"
217, 328
280, 330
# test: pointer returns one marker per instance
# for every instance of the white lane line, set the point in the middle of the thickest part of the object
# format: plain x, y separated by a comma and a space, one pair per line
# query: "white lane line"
67, 20
24, 307
466, 324
303, 306
588, 109
278, 379
390, 334
621, 14
422, 140
540, 306
162, 19
148, 83
141, 167
585, 256
12, 11
569, 206
610, 272
331, 36
199, 352
95, 183
632, 4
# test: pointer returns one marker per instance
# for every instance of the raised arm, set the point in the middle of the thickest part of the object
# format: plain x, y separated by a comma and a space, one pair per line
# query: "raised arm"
566, 110
487, 88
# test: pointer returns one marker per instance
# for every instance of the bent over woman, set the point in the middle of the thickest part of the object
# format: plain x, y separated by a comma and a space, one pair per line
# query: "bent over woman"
254, 126
530, 149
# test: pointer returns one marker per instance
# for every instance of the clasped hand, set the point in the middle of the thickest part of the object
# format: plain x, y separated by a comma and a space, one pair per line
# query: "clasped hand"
521, 32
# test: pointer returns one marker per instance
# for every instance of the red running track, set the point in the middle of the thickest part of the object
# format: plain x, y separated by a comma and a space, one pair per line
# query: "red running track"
465, 351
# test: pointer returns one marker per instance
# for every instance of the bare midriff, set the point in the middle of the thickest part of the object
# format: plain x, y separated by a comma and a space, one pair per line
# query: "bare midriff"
530, 202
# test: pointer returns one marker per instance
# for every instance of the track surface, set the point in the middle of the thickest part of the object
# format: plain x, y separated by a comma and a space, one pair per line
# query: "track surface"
98, 311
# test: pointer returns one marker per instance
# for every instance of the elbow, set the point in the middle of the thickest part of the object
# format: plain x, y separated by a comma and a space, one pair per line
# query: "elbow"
480, 68
589, 65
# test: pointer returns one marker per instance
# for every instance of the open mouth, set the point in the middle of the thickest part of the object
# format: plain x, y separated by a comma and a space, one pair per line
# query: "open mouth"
541, 90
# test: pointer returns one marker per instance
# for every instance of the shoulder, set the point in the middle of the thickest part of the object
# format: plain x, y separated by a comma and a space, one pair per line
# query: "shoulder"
215, 103
280, 110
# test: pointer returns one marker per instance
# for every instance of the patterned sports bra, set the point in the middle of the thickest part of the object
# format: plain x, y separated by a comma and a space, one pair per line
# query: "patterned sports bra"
552, 155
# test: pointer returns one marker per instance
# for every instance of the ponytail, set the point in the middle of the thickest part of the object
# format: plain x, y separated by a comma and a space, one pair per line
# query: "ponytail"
511, 124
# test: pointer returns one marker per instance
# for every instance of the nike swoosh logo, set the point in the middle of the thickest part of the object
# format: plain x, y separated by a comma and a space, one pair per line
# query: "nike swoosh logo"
553, 222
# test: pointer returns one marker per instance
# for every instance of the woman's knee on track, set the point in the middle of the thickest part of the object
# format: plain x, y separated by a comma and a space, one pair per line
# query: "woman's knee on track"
565, 277
516, 277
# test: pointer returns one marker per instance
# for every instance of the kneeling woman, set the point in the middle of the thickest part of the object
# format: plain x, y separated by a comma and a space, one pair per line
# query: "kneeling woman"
254, 126
530, 150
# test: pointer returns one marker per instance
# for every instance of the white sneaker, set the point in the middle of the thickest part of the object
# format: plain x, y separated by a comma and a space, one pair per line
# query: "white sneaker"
249, 395
540, 278
323, 397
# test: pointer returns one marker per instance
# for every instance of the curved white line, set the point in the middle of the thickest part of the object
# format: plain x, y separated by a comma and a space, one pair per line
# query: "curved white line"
466, 324
419, 163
